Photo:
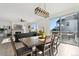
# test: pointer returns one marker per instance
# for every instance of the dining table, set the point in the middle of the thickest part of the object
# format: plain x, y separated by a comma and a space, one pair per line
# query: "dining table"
32, 41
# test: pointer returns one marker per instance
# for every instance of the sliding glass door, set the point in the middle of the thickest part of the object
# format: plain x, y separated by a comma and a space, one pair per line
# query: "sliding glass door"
68, 29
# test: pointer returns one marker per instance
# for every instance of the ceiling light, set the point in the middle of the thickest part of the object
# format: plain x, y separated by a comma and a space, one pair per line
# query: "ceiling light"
41, 12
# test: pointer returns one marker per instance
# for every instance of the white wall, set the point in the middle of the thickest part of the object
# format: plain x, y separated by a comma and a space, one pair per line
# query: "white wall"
44, 23
6, 23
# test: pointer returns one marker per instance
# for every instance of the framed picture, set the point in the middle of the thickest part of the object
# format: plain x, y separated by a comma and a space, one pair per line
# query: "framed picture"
17, 27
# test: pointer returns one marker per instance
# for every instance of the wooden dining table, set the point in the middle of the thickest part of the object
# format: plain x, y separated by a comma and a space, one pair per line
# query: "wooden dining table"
32, 41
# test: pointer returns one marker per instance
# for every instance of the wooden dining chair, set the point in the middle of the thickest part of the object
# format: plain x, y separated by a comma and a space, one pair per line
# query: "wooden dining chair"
45, 47
55, 43
23, 51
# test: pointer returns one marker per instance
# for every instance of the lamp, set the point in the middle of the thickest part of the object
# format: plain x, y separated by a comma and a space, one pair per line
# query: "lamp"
41, 12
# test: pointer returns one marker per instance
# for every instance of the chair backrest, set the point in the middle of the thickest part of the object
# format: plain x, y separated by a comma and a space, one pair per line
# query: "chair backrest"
52, 37
47, 42
13, 46
47, 39
56, 37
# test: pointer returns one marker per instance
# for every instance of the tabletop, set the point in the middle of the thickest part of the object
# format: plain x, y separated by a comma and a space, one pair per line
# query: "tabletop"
32, 41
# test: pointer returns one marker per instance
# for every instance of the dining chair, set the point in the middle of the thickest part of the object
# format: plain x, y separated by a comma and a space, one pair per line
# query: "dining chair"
55, 43
23, 51
46, 47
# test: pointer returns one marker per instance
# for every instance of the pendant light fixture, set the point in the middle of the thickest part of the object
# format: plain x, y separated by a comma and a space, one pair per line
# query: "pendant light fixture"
41, 12
22, 20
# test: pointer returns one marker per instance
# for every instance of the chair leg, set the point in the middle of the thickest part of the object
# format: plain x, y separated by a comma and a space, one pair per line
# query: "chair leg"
43, 53
31, 53
50, 52
52, 49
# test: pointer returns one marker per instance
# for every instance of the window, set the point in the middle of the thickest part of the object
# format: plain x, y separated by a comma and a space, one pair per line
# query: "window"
53, 23
67, 23
34, 27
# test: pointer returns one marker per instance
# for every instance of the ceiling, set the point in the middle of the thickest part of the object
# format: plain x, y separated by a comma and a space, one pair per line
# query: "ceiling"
15, 11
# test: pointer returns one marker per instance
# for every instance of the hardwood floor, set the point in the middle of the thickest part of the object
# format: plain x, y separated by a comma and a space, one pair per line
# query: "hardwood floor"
6, 49
63, 49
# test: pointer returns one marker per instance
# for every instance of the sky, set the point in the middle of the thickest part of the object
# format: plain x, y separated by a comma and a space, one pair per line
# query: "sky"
52, 23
